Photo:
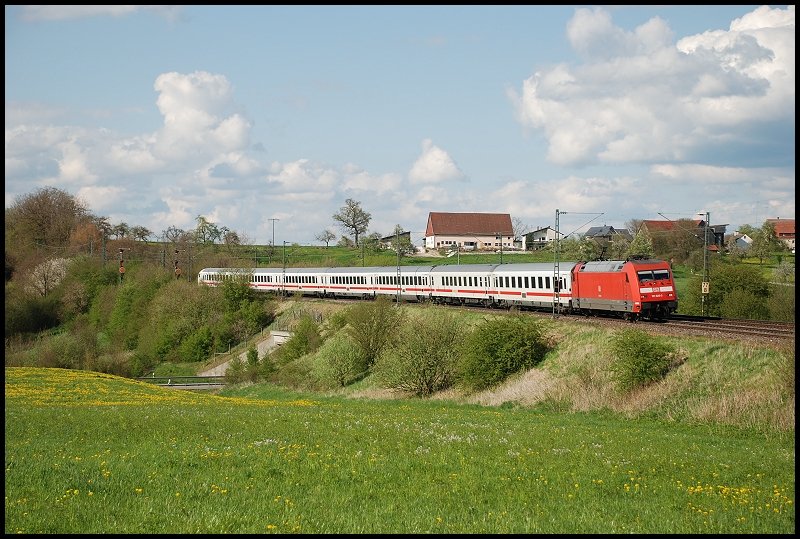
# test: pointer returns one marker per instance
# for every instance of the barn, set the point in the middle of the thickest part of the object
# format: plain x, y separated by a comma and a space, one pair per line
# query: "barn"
469, 231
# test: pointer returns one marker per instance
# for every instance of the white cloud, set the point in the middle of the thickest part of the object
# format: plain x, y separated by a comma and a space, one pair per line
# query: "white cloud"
59, 13
638, 97
302, 179
434, 166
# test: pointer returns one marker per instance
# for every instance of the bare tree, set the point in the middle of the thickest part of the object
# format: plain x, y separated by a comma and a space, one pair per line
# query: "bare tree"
140, 233
121, 230
44, 218
173, 234
353, 218
519, 228
230, 237
326, 237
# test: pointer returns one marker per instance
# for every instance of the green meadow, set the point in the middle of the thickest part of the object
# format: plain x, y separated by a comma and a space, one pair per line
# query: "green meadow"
95, 453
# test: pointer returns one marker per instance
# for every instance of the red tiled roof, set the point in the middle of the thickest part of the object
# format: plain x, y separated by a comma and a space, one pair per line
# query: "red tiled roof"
666, 225
783, 227
458, 224
658, 225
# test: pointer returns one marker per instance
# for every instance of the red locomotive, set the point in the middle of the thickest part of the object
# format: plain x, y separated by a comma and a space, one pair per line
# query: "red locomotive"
633, 288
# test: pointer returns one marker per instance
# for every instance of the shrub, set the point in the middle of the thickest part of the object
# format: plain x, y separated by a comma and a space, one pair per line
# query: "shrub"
339, 361
252, 370
26, 313
781, 303
372, 325
639, 359
500, 347
744, 305
423, 357
304, 339
235, 372
334, 323
197, 346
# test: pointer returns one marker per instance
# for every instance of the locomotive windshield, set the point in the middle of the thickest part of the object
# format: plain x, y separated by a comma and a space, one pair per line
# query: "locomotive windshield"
653, 275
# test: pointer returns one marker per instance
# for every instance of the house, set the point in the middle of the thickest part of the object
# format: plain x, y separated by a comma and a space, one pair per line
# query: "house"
607, 233
716, 233
539, 238
742, 241
387, 242
470, 231
784, 230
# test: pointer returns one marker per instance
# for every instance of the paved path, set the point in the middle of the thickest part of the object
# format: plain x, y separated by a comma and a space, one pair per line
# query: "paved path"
264, 346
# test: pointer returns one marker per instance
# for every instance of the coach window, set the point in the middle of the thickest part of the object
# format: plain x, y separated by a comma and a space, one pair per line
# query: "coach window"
547, 282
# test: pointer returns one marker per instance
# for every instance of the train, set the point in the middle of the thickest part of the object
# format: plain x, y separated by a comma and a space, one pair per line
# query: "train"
631, 289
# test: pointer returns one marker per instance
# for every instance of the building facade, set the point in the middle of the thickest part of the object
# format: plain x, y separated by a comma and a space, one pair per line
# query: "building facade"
469, 231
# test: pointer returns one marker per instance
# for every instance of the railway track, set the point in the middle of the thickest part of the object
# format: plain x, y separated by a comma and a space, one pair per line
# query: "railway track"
759, 330
752, 328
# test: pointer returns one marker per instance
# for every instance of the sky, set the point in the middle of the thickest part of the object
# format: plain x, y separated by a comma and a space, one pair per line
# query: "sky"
266, 119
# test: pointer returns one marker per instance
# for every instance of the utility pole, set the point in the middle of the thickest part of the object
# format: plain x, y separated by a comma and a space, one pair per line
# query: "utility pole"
556, 265
397, 245
177, 269
499, 236
121, 266
706, 285
283, 280
273, 229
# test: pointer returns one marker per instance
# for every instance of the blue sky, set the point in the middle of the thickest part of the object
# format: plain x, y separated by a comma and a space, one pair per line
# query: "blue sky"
153, 115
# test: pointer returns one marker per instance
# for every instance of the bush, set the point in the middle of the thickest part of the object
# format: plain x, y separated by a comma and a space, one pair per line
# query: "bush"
423, 357
197, 346
339, 361
252, 367
26, 313
639, 359
235, 372
305, 339
500, 347
743, 304
781, 303
372, 325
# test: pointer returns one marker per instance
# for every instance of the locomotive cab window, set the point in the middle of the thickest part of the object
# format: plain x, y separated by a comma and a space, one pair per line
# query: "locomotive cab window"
661, 275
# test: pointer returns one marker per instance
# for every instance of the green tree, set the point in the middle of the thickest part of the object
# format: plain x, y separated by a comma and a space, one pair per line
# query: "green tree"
642, 245
619, 246
743, 304
402, 242
206, 232
305, 339
590, 249
122, 230
352, 218
764, 242
724, 279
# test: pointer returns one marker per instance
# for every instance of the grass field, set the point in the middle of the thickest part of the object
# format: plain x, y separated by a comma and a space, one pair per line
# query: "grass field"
94, 453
